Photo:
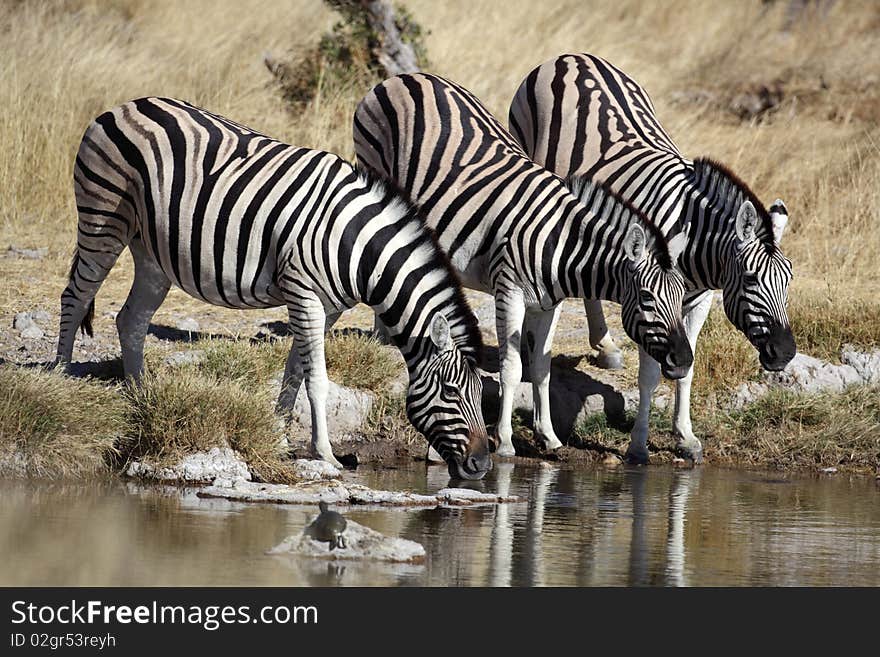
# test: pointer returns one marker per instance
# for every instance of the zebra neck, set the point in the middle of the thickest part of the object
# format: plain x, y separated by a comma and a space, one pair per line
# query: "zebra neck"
406, 279
590, 260
711, 244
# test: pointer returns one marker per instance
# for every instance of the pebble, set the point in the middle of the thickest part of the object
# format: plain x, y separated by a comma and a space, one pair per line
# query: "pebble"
28, 254
831, 470
27, 327
22, 321
32, 332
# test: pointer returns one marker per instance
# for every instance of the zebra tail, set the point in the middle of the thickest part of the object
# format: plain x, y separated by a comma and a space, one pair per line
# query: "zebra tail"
86, 324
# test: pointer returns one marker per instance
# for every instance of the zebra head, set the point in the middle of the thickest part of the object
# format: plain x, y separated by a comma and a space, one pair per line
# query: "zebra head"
444, 403
651, 299
756, 285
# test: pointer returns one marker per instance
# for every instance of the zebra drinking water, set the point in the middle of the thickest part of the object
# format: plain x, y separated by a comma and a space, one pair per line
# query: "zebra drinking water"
240, 220
579, 115
512, 228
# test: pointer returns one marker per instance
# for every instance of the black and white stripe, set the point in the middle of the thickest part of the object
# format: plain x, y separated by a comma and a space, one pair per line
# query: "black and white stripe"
579, 115
514, 229
241, 220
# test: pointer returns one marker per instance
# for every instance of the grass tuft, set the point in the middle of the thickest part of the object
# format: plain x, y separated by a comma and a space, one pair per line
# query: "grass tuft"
184, 412
55, 426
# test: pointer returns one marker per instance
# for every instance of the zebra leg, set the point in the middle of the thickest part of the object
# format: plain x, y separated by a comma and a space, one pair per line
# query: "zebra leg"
293, 376
687, 444
510, 312
609, 356
148, 291
649, 377
539, 328
308, 321
90, 267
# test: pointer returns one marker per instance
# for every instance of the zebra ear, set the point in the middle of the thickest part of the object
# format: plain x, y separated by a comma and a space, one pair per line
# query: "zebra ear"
746, 220
779, 219
635, 242
441, 336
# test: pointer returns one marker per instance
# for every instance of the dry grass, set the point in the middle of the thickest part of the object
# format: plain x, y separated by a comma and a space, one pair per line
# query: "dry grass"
360, 361
786, 430
783, 430
818, 150
185, 412
62, 427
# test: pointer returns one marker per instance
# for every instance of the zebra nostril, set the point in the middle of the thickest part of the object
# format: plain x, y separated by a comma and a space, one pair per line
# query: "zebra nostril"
471, 464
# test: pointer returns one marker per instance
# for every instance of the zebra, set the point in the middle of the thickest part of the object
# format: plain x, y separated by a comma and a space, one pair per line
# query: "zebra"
579, 115
514, 229
240, 220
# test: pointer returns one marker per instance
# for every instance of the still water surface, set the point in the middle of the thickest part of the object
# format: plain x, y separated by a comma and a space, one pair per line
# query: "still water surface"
629, 526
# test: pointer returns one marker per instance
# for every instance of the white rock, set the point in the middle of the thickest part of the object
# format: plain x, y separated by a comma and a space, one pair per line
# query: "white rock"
361, 543
188, 324
337, 492
867, 365
28, 254
41, 316
22, 321
347, 408
33, 332
218, 463
807, 374
315, 470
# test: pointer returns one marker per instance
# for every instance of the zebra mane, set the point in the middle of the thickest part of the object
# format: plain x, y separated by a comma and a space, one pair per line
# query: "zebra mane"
727, 191
470, 339
595, 193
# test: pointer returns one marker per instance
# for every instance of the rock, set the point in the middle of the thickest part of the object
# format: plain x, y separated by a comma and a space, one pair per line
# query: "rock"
42, 316
315, 470
361, 543
28, 254
32, 332
337, 492
27, 327
21, 321
347, 408
218, 463
867, 365
830, 470
807, 374
188, 324
180, 358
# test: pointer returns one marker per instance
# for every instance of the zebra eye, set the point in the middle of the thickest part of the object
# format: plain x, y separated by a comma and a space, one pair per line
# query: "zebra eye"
646, 297
451, 390
750, 278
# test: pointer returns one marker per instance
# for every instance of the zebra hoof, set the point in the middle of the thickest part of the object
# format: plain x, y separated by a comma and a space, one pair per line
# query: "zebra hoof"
635, 457
505, 450
694, 453
548, 444
610, 360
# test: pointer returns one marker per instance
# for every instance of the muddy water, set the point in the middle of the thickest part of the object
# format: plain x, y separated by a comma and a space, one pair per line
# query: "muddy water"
639, 526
